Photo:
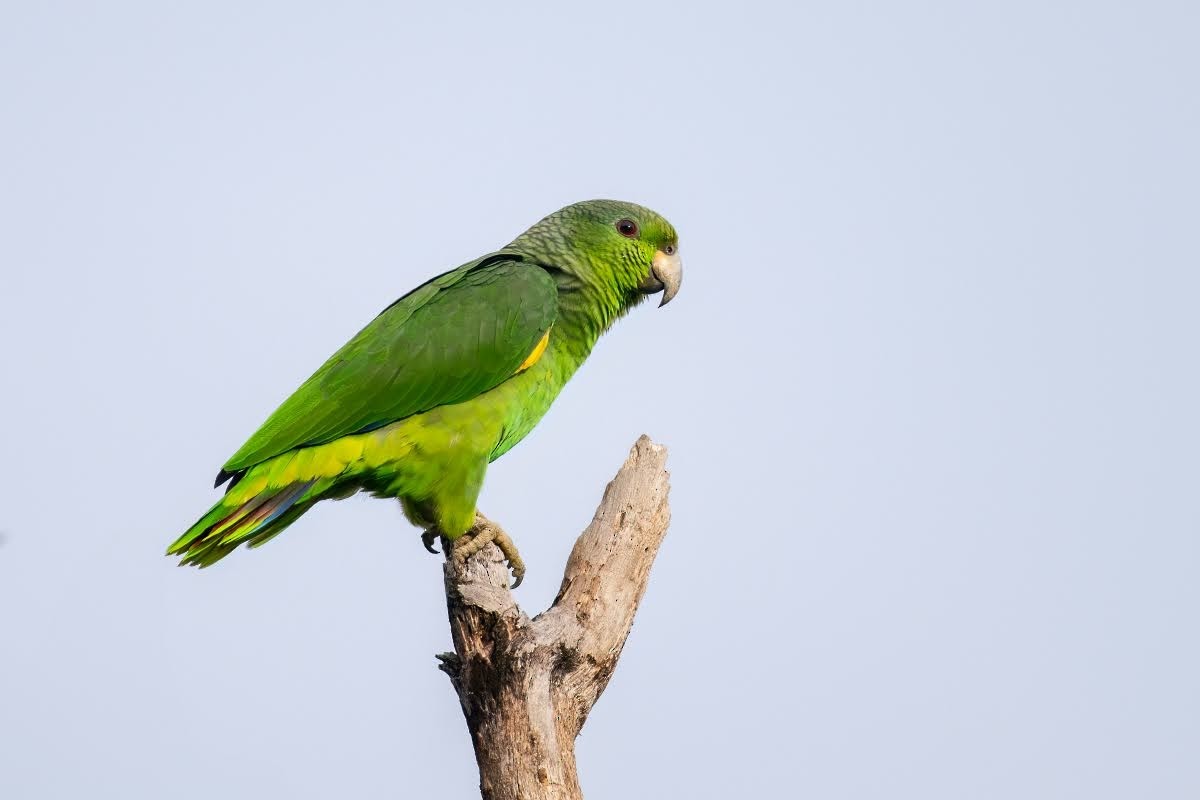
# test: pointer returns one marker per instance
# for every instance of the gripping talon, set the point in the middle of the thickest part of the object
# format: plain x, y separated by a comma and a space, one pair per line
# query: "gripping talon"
483, 532
427, 538
515, 562
471, 543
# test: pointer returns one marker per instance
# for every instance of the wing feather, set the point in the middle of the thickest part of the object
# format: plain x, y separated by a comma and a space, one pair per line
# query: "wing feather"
447, 341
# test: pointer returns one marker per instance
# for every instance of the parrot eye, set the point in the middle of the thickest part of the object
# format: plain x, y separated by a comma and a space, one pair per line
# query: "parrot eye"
669, 249
627, 227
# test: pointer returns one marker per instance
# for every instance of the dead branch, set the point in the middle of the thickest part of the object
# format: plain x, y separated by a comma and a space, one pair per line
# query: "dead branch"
526, 686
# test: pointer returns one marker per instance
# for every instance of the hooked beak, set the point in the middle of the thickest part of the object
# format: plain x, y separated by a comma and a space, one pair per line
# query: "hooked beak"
666, 274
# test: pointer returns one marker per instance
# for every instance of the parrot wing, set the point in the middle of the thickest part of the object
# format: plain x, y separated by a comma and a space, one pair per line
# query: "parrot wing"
447, 341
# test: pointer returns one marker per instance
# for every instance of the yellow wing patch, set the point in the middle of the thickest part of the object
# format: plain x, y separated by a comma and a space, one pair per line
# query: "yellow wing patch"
538, 349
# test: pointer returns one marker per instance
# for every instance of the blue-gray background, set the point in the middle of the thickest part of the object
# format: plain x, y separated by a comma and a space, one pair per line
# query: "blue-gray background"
930, 389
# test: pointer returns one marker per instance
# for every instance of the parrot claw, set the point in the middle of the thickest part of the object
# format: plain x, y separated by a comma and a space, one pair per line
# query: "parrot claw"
428, 537
487, 532
515, 562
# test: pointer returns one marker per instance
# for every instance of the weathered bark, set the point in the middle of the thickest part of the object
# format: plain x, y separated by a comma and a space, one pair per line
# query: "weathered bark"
526, 686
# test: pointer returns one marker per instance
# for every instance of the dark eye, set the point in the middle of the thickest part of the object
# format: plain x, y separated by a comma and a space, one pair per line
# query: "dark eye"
669, 249
627, 227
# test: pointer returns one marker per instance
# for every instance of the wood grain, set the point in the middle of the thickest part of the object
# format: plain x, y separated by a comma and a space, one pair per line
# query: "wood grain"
527, 685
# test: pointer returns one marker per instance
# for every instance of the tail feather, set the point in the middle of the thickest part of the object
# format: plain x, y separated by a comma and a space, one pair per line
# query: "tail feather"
264, 514
224, 528
278, 526
238, 514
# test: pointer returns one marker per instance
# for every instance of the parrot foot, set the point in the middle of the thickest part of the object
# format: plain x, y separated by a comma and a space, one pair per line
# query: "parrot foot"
485, 531
428, 537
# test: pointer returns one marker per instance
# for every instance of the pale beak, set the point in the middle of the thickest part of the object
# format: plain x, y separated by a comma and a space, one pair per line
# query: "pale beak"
666, 273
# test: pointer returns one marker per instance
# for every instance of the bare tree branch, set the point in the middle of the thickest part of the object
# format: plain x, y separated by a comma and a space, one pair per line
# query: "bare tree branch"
526, 686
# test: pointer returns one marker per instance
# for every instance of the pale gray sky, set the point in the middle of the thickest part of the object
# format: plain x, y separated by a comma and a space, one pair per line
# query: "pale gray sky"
930, 389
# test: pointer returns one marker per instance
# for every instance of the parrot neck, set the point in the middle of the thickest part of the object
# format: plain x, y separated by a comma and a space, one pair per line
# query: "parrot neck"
584, 313
593, 293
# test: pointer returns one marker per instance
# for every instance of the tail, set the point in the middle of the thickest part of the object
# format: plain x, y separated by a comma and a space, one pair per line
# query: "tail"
252, 521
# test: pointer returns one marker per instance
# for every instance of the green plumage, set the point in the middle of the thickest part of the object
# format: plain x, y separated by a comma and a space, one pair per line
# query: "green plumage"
448, 341
445, 380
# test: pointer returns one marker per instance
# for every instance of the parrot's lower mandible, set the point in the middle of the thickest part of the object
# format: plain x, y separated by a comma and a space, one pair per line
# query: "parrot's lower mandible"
443, 382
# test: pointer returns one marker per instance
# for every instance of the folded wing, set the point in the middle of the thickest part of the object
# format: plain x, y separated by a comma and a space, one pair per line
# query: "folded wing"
445, 342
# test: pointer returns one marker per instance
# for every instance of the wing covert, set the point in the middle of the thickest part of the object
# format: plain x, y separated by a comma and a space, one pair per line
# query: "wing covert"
446, 341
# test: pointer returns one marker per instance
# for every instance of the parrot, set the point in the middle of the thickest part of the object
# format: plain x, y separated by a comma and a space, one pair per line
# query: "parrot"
442, 382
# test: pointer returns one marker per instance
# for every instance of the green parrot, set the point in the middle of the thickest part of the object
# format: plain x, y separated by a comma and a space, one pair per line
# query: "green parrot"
444, 381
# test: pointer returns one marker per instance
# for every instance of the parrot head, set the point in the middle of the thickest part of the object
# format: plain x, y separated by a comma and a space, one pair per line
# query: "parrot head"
611, 245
